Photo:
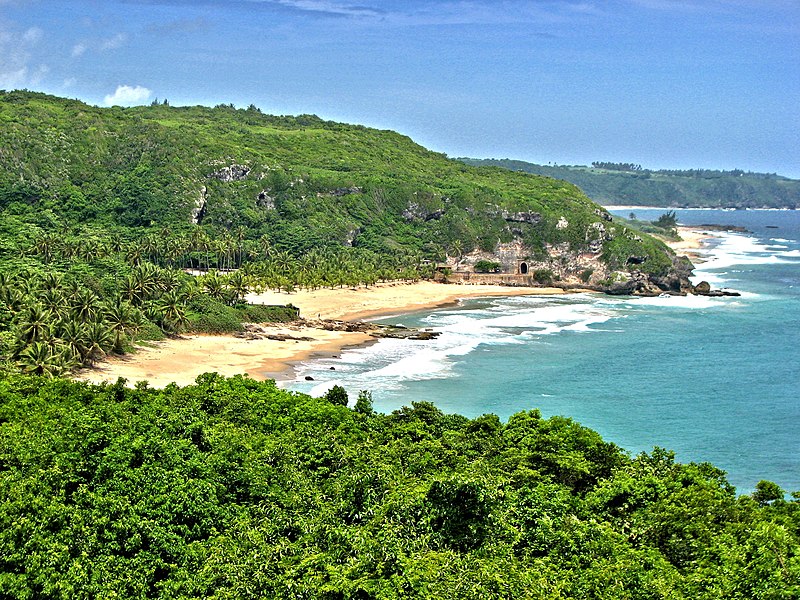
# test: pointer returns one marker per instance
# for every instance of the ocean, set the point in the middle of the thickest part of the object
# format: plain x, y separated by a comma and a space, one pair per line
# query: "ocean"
713, 379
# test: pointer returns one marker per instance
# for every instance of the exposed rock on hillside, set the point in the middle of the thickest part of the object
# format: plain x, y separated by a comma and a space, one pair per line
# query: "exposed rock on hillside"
231, 173
417, 212
199, 210
531, 218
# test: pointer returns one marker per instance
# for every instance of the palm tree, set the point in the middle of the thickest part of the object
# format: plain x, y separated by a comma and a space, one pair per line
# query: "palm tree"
134, 254
51, 281
85, 305
457, 248
214, 285
123, 320
99, 341
265, 246
45, 247
53, 301
11, 302
173, 312
34, 324
39, 359
73, 335
239, 285
240, 234
168, 279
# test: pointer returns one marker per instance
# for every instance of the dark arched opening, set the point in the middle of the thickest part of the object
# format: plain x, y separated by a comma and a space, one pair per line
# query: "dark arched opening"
523, 268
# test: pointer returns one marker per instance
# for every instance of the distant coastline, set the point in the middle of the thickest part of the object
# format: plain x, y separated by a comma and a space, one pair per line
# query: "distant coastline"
608, 183
724, 208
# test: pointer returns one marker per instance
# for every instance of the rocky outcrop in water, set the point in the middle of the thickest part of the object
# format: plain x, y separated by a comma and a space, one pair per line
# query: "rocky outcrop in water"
704, 289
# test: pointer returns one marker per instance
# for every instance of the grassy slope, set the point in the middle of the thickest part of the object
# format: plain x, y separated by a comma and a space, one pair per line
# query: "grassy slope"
146, 166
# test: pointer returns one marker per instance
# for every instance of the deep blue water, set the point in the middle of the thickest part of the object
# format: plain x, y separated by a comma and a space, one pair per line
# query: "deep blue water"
714, 379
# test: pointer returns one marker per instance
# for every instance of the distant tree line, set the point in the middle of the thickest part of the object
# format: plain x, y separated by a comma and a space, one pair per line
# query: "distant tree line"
611, 166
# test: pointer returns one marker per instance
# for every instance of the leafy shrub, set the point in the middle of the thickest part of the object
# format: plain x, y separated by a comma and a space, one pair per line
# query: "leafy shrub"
337, 395
543, 276
207, 315
487, 266
262, 313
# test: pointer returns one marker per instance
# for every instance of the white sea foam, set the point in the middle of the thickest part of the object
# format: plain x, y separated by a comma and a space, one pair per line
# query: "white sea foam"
484, 324
321, 388
736, 249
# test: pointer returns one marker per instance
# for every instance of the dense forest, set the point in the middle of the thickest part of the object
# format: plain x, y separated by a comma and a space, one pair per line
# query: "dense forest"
233, 488
610, 183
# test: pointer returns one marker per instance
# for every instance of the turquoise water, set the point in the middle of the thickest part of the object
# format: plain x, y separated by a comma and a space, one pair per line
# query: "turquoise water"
714, 379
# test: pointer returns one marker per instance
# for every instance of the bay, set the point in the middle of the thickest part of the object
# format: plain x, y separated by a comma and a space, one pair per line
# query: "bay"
713, 379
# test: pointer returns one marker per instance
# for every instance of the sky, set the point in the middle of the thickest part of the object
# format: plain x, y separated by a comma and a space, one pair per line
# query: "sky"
662, 83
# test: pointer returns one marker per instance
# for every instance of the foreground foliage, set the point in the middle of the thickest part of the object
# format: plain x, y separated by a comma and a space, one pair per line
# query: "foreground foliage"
232, 488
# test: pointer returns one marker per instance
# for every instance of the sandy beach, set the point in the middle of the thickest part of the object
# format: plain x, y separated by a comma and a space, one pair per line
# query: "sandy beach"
691, 241
181, 360
355, 304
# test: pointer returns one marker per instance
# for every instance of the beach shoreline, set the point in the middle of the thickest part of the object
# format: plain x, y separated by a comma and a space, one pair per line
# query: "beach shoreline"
181, 359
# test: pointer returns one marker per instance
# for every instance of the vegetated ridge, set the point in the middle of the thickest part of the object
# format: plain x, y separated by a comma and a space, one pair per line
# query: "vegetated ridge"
233, 488
629, 184
303, 184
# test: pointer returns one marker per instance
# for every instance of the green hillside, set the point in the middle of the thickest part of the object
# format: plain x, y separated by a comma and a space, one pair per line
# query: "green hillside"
302, 182
612, 183
235, 489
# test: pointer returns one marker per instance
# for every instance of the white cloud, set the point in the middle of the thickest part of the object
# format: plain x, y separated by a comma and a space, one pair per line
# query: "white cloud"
333, 8
16, 50
79, 50
126, 95
32, 35
114, 42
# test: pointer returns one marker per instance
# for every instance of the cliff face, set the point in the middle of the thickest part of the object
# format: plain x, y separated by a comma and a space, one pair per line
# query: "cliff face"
564, 265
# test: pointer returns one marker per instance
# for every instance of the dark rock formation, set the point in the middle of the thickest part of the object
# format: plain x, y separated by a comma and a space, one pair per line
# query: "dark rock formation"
374, 329
677, 280
265, 200
415, 212
702, 288
346, 191
531, 218
199, 210
713, 227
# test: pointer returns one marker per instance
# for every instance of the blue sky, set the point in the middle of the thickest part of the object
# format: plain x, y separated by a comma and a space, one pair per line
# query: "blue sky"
663, 83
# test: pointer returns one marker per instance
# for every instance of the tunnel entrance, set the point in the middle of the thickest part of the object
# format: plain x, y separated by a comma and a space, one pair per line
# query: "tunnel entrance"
523, 268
